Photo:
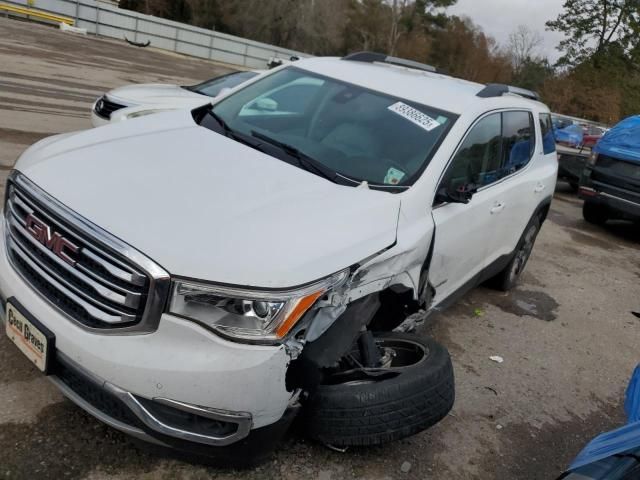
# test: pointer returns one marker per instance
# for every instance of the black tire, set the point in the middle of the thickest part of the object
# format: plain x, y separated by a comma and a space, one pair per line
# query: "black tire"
509, 276
594, 213
373, 412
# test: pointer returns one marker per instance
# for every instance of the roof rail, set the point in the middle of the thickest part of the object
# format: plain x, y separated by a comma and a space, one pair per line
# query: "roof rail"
371, 57
499, 89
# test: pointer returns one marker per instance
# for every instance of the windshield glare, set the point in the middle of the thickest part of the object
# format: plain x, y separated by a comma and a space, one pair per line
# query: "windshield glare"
358, 133
213, 87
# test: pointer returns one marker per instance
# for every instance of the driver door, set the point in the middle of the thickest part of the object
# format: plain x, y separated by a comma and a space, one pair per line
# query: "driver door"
464, 231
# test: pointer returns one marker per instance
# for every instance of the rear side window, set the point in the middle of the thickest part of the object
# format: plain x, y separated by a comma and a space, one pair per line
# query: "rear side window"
519, 140
497, 146
548, 139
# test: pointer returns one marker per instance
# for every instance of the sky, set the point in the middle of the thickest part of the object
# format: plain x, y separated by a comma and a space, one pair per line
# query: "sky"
499, 18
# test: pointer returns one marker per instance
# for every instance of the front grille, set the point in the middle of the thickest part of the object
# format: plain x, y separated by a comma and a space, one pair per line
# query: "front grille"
85, 278
105, 107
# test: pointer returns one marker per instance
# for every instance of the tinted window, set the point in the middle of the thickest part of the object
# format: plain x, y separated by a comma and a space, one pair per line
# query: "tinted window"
296, 98
548, 139
518, 140
478, 161
355, 132
213, 87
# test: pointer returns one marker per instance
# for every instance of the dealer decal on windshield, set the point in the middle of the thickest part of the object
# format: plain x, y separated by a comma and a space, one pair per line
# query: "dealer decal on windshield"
414, 116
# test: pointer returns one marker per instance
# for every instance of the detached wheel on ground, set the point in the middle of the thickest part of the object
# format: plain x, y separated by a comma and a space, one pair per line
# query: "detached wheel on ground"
412, 390
508, 278
594, 213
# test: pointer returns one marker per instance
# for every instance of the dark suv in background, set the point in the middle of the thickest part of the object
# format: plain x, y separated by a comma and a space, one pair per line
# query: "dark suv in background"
610, 184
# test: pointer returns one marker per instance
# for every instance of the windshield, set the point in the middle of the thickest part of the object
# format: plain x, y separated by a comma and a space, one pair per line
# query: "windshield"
354, 133
213, 87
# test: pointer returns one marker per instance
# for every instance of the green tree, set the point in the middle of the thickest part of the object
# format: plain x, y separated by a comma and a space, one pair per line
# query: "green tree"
594, 27
532, 73
465, 51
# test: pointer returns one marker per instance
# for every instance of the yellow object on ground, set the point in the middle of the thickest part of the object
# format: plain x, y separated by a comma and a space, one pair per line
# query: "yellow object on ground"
36, 14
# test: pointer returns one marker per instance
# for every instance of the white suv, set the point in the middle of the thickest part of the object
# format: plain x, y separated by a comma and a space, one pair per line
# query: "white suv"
196, 278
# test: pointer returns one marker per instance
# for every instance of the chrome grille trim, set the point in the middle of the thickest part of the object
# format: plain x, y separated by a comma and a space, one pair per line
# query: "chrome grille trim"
117, 286
61, 286
133, 300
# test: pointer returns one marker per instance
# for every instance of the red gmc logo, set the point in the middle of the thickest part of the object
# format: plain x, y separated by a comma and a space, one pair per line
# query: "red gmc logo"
52, 240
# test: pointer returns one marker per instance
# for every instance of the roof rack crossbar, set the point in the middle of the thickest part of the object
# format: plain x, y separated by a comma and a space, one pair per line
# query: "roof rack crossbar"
499, 89
373, 57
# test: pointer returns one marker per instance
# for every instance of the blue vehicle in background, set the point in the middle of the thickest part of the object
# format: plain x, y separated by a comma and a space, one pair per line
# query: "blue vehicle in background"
570, 136
610, 183
613, 455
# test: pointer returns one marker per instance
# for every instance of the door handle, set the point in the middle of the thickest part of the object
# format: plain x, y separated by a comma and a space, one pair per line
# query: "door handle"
497, 208
539, 187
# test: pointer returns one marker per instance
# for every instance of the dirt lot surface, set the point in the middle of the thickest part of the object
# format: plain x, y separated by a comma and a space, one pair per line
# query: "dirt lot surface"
567, 335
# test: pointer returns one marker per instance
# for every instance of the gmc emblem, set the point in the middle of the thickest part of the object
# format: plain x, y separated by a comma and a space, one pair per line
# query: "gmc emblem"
52, 240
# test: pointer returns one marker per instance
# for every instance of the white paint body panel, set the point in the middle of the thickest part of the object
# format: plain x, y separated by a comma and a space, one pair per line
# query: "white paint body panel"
154, 97
204, 206
179, 361
223, 212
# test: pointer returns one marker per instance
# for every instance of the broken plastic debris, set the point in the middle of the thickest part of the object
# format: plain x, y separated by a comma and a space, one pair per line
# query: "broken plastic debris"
496, 358
336, 449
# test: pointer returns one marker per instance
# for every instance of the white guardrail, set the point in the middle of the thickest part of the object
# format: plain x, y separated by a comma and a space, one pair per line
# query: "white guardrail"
101, 18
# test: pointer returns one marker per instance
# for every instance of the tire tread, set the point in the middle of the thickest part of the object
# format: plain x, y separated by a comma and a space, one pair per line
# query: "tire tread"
385, 411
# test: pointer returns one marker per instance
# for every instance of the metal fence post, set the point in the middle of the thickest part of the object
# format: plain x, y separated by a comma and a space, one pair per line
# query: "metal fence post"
135, 28
246, 51
211, 46
77, 11
97, 18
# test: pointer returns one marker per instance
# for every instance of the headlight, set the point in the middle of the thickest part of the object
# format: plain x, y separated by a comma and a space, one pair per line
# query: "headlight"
248, 314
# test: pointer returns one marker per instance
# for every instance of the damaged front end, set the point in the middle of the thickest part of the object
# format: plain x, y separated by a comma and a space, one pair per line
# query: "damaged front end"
378, 295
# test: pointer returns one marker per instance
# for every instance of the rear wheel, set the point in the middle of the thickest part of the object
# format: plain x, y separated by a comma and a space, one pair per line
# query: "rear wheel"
410, 390
508, 278
594, 213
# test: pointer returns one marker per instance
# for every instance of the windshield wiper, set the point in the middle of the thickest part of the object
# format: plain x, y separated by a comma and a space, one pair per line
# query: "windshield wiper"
229, 132
226, 128
304, 161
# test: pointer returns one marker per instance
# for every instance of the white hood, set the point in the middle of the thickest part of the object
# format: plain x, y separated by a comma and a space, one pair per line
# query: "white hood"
157, 94
207, 207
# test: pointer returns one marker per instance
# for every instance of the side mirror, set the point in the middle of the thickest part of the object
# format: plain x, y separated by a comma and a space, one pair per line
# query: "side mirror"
464, 194
266, 105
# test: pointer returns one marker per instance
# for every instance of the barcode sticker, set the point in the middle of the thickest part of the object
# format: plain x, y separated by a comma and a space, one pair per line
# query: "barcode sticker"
415, 116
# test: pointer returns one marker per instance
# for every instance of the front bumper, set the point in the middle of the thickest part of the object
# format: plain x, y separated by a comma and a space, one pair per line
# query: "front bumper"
165, 379
622, 207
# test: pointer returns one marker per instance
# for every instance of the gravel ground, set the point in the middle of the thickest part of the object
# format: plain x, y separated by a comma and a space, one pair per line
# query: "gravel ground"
567, 335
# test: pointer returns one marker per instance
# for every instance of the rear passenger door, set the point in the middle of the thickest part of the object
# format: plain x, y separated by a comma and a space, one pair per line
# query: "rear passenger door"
498, 159
517, 186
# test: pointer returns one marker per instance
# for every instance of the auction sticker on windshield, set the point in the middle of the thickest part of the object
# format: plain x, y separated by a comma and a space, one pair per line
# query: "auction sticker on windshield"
413, 115
32, 338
